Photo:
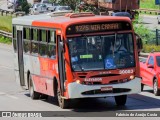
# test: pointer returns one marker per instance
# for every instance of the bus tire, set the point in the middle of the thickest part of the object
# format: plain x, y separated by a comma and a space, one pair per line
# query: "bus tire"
63, 103
155, 88
33, 94
121, 100
44, 96
142, 86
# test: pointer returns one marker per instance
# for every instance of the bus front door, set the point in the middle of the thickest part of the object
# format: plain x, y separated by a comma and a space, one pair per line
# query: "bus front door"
61, 65
20, 57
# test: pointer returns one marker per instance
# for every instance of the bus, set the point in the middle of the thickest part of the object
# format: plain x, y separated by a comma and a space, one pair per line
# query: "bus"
76, 55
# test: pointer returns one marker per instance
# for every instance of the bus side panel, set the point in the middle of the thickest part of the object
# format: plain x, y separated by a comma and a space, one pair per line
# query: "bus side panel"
35, 72
27, 68
16, 69
52, 73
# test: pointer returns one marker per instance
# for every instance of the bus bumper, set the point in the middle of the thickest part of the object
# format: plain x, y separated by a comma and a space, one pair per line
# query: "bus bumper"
77, 90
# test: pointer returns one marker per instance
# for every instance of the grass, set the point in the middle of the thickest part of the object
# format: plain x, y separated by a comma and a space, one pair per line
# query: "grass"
148, 4
6, 23
5, 40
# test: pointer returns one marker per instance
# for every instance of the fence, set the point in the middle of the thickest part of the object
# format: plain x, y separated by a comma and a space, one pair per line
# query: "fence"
149, 11
5, 34
11, 13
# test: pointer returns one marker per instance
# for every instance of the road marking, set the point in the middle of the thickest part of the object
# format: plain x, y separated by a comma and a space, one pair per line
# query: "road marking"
7, 67
11, 96
2, 93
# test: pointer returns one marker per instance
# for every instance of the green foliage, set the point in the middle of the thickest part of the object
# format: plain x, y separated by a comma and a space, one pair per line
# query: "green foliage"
146, 34
52, 1
5, 40
150, 48
6, 23
23, 6
149, 4
72, 3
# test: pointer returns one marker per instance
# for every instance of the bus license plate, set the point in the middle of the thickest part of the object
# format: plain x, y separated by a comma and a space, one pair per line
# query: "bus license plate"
108, 88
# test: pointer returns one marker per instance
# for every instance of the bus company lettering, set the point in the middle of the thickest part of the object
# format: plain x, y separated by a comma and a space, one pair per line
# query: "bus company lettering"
93, 79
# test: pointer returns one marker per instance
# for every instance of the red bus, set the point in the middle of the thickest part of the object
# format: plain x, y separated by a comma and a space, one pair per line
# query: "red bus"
77, 55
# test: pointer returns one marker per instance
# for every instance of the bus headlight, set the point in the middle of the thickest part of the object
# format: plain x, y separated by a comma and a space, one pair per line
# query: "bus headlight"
78, 81
132, 77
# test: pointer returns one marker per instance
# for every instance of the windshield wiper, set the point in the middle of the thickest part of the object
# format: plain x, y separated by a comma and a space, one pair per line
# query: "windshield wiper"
82, 69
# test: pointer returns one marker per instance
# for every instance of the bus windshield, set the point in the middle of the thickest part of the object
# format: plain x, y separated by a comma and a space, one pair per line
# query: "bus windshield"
101, 52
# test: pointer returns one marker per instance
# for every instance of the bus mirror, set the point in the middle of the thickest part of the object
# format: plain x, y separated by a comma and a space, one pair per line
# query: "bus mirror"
139, 43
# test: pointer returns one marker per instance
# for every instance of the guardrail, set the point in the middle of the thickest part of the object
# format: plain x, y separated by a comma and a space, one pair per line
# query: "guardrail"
150, 11
11, 13
6, 34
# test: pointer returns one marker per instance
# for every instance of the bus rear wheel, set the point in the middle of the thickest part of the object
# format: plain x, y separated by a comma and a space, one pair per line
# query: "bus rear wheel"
121, 100
33, 94
63, 103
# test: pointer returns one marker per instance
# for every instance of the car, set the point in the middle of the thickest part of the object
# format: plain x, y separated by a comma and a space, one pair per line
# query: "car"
158, 18
150, 72
12, 3
62, 8
40, 8
122, 14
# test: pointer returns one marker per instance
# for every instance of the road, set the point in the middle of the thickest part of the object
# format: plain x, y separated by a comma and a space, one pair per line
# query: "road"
13, 98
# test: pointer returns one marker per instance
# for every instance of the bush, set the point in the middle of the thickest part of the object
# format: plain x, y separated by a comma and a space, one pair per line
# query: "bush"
150, 48
5, 40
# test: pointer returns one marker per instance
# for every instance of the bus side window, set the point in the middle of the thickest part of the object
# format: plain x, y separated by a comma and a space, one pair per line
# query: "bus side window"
51, 44
43, 49
26, 40
43, 43
26, 45
35, 48
34, 36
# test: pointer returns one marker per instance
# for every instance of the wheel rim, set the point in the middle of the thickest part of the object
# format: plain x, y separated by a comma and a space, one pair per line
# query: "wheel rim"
31, 88
155, 87
59, 98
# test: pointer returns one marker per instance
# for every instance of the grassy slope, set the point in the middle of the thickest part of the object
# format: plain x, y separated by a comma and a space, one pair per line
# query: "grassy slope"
149, 4
6, 23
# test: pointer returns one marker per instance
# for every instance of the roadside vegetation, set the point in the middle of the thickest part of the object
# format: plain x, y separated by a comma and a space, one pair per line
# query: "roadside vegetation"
148, 37
6, 23
5, 40
148, 4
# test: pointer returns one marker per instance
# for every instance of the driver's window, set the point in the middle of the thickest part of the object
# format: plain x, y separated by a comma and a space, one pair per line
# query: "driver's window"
151, 61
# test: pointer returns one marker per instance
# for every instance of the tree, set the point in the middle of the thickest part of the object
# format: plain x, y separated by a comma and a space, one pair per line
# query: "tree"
23, 5
72, 3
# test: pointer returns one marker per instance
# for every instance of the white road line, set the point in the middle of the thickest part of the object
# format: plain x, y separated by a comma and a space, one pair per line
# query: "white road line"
7, 67
2, 93
10, 96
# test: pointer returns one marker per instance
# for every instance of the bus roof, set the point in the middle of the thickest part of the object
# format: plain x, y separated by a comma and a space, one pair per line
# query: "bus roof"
45, 20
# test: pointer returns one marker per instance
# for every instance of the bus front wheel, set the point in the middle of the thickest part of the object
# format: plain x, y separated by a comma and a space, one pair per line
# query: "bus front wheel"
121, 100
33, 94
63, 103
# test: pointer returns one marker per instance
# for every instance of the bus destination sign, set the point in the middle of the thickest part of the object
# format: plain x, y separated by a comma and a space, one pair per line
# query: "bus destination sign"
97, 27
